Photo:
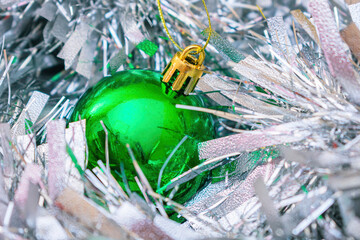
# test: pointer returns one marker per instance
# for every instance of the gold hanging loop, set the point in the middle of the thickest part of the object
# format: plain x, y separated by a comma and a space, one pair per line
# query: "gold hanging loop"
183, 71
193, 48
202, 49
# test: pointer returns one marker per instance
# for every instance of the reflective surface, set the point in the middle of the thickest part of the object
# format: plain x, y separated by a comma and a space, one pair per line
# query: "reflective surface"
135, 111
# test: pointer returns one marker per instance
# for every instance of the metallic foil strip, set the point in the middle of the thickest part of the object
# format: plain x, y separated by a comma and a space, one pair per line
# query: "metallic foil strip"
228, 90
175, 230
355, 13
223, 46
148, 47
4, 200
31, 205
280, 134
117, 60
216, 83
42, 153
74, 44
303, 208
109, 181
105, 55
313, 216
296, 198
129, 217
260, 107
115, 36
268, 207
335, 54
195, 171
75, 138
57, 155
48, 227
226, 201
280, 39
5, 74
60, 28
207, 84
8, 159
5, 25
258, 72
9, 3
3, 195
351, 35
26, 145
237, 219
64, 10
31, 174
48, 11
350, 219
86, 63
345, 180
30, 113
306, 24
24, 21
350, 2
47, 36
317, 159
131, 31
90, 215
211, 190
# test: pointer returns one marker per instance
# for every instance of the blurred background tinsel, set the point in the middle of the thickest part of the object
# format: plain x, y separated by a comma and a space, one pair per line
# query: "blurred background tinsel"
283, 80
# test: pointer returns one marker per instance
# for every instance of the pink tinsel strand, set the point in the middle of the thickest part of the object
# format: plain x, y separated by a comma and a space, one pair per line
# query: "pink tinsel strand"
31, 174
57, 157
333, 47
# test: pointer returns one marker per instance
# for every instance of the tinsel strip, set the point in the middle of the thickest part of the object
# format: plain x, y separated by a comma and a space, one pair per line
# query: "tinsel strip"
332, 45
75, 138
279, 38
30, 113
57, 155
74, 44
31, 175
26, 145
351, 35
90, 215
355, 13
284, 133
131, 218
306, 24
8, 159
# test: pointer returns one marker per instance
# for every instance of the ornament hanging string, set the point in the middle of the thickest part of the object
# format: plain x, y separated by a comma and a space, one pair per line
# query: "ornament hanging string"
167, 30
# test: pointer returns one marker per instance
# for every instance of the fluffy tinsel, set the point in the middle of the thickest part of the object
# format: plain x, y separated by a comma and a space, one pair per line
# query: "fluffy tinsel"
283, 77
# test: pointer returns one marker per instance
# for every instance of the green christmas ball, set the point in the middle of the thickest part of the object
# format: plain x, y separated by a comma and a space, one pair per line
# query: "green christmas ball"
136, 112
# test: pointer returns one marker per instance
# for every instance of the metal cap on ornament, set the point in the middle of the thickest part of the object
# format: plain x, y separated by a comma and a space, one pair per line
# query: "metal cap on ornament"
183, 72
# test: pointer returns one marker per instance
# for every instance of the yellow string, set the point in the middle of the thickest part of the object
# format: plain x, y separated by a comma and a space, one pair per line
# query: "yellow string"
260, 10
167, 30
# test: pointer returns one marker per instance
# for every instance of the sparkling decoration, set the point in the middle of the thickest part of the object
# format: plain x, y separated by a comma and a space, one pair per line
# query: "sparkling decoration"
283, 79
135, 111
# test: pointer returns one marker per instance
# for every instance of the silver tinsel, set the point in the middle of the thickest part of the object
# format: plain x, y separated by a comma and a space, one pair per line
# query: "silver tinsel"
288, 87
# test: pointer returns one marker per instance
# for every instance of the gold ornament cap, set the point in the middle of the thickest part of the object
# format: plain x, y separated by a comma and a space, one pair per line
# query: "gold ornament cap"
183, 71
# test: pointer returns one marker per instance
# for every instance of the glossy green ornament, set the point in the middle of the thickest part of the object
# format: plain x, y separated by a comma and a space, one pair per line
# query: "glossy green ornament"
136, 112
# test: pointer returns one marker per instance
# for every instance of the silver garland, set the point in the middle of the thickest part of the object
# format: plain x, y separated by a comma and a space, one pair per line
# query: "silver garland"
289, 85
